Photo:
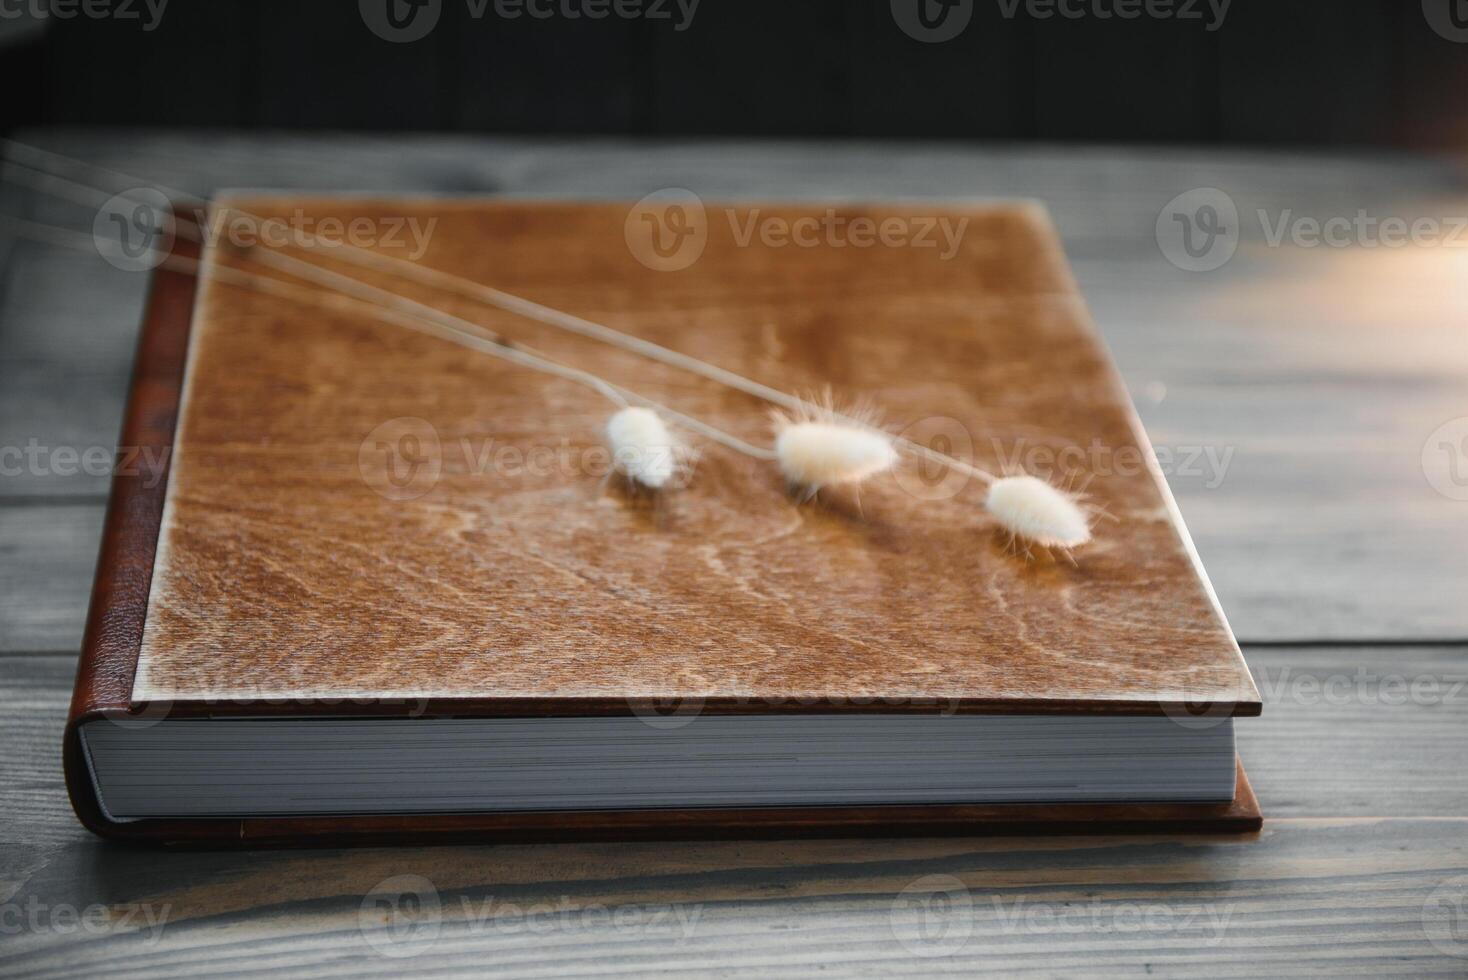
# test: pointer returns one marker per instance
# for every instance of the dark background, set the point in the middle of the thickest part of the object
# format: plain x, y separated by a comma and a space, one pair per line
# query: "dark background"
1276, 72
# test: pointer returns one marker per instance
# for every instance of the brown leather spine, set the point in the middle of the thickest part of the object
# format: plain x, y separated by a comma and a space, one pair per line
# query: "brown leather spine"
119, 605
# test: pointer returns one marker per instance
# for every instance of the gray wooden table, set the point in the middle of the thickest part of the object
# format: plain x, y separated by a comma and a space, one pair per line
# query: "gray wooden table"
1312, 399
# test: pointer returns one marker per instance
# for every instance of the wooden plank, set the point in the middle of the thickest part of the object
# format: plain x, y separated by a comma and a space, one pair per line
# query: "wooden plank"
1345, 897
67, 323
34, 693
46, 556
1112, 197
1358, 731
1364, 791
1297, 412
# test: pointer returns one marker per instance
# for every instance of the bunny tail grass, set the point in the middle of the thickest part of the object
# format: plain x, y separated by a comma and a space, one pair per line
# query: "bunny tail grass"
1038, 513
816, 454
642, 447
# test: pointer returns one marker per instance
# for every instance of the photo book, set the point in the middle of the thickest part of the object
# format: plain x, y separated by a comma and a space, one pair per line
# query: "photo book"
390, 583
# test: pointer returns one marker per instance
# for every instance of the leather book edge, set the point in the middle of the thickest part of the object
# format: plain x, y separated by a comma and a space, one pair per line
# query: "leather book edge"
124, 576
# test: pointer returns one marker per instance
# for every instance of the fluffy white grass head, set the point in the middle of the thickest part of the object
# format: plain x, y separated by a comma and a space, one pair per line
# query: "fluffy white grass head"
643, 450
819, 453
1033, 510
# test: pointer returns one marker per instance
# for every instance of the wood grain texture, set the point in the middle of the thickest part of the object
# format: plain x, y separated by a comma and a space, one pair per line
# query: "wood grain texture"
1301, 362
284, 535
45, 553
1310, 897
68, 322
1337, 886
1315, 537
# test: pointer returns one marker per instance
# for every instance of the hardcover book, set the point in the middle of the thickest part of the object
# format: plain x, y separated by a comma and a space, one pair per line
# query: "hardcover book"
388, 588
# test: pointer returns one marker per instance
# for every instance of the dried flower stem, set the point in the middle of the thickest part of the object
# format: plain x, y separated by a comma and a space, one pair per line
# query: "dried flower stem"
531, 310
1026, 507
501, 349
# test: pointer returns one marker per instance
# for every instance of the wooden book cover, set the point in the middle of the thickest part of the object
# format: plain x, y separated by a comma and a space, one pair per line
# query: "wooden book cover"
361, 520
